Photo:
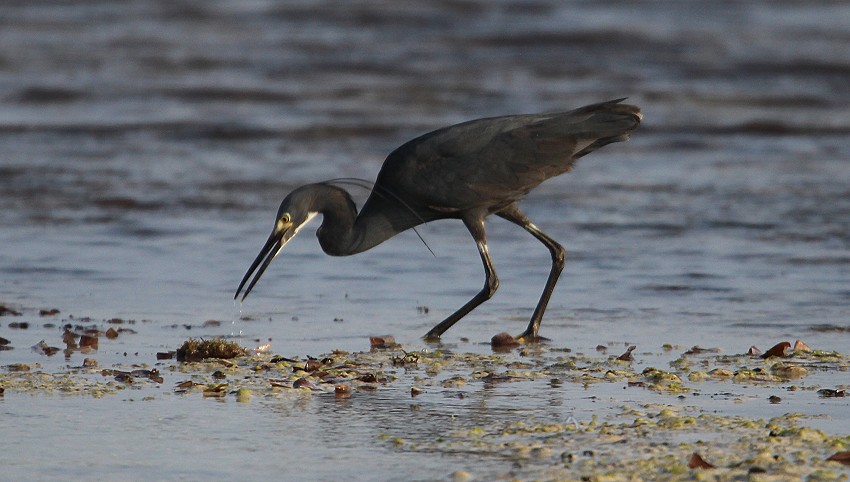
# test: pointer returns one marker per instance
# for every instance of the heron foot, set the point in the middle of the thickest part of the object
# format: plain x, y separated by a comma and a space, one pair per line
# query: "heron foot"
527, 338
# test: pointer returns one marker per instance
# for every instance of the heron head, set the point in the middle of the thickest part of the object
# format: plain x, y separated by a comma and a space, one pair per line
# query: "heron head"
295, 212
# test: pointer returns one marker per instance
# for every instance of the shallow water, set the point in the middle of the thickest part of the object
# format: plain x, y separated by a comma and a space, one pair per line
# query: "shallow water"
146, 147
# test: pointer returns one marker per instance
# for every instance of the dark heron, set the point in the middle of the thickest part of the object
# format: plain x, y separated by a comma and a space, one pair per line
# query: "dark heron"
467, 171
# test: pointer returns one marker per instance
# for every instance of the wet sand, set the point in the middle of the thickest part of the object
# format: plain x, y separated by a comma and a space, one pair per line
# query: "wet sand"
537, 412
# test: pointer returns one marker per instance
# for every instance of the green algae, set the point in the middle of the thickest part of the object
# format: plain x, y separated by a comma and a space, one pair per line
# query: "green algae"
648, 447
199, 349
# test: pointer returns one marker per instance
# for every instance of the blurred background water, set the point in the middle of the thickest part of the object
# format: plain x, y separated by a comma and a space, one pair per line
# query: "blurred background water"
146, 146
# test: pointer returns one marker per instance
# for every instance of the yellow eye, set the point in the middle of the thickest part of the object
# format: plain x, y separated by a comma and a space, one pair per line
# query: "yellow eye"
283, 222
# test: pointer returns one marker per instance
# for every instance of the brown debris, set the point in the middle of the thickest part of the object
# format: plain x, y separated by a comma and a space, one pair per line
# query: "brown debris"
111, 333
503, 340
20, 325
42, 348
368, 378
777, 350
303, 383
151, 375
88, 341
69, 339
754, 351
698, 350
381, 342
842, 458
50, 312
6, 311
216, 390
312, 365
627, 356
282, 359
497, 378
120, 376
4, 342
165, 355
51, 350
830, 393
697, 462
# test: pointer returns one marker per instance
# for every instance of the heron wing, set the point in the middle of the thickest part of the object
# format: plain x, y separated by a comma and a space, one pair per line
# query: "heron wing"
546, 146
495, 161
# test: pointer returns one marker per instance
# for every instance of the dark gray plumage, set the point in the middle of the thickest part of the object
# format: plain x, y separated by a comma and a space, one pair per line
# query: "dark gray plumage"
467, 171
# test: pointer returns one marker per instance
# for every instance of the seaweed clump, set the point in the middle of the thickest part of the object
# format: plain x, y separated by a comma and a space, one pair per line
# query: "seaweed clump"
194, 350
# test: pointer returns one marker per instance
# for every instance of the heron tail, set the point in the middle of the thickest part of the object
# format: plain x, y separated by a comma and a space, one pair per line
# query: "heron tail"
605, 123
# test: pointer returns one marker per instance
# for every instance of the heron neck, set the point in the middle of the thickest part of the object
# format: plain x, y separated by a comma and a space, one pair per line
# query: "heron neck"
345, 232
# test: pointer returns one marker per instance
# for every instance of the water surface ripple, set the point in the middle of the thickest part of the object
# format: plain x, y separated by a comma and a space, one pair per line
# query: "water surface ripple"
146, 146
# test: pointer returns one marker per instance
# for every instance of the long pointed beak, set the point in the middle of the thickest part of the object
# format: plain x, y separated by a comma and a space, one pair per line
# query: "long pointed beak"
281, 235
271, 249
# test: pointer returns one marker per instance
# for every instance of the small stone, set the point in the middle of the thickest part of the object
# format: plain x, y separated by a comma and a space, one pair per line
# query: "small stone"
243, 395
87, 341
461, 476
342, 391
503, 340
800, 346
303, 383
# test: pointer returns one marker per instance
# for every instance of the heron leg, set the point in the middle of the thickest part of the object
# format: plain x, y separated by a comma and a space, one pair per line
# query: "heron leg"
475, 225
559, 255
